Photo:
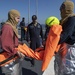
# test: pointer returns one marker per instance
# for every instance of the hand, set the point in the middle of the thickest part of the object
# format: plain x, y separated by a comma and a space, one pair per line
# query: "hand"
21, 55
20, 42
42, 46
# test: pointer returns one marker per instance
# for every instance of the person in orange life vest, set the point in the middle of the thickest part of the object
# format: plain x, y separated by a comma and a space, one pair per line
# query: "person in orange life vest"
9, 41
65, 58
45, 54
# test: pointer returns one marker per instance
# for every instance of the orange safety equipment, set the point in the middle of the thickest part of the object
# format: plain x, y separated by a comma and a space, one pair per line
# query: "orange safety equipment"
51, 45
41, 54
50, 49
5, 59
38, 54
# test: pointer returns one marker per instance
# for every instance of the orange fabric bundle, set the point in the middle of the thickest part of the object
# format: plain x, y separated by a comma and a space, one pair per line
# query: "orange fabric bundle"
51, 45
30, 53
4, 56
40, 53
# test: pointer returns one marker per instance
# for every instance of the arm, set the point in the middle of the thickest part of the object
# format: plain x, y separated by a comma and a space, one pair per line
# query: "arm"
7, 40
46, 32
68, 30
41, 33
28, 35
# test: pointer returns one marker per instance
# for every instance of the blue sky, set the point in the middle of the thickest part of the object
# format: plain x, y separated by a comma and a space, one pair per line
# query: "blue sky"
45, 8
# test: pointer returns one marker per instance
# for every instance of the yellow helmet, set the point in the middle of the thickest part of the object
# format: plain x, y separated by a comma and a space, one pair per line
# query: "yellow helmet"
52, 21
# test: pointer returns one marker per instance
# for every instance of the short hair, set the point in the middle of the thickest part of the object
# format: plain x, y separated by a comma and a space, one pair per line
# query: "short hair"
34, 17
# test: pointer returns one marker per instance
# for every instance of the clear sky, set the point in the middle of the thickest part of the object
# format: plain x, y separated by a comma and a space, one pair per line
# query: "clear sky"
45, 8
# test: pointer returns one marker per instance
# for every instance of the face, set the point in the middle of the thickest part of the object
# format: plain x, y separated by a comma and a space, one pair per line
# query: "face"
34, 21
62, 10
17, 19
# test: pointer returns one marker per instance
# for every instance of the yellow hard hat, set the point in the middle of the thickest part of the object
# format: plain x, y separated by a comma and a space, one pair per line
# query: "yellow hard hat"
52, 21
